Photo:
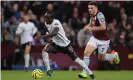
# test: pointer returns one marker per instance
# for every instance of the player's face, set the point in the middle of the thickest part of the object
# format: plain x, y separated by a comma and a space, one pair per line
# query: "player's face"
26, 18
47, 20
92, 9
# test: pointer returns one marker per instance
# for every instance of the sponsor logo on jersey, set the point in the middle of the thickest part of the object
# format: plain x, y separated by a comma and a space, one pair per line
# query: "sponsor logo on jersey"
56, 24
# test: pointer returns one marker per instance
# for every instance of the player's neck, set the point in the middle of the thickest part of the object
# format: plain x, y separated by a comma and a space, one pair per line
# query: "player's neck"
50, 22
25, 22
95, 12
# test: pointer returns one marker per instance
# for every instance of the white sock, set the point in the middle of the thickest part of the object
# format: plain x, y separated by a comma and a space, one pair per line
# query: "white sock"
109, 56
27, 60
87, 62
83, 65
45, 57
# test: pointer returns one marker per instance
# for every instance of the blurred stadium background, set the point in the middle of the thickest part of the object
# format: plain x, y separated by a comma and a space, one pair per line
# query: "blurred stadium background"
74, 16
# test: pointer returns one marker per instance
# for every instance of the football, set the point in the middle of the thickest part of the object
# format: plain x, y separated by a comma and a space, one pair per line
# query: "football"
37, 74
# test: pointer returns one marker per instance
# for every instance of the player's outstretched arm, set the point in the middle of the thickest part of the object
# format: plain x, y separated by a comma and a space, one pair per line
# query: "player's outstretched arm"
53, 33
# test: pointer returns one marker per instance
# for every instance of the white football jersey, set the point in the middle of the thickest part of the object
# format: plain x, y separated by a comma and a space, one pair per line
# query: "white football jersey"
26, 30
60, 39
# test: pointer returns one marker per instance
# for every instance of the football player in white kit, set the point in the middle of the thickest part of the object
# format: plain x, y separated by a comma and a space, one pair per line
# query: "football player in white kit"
26, 30
59, 43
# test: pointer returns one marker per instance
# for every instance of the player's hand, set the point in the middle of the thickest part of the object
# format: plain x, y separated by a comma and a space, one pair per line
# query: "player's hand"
36, 38
88, 28
48, 39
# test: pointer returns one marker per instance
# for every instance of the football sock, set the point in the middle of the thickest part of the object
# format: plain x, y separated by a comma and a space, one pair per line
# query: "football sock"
27, 59
109, 56
45, 57
82, 64
87, 62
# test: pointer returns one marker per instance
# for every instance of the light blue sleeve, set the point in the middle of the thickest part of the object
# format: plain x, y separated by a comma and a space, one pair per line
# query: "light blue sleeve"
101, 18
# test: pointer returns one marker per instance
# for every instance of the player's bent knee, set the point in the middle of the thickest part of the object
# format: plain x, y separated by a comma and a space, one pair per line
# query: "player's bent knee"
101, 57
87, 53
73, 56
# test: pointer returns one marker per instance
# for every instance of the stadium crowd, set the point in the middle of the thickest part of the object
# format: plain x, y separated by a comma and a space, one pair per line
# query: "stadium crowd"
73, 15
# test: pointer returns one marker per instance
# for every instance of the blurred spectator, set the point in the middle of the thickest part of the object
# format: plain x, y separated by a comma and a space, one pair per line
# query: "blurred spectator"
4, 23
25, 8
6, 34
130, 39
38, 8
75, 22
17, 41
69, 32
112, 30
66, 11
42, 28
83, 37
50, 7
13, 26
84, 21
38, 41
122, 11
34, 20
6, 39
15, 11
122, 40
123, 17
128, 28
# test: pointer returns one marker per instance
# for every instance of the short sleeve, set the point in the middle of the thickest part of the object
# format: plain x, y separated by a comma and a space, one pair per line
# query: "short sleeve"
56, 23
101, 18
19, 29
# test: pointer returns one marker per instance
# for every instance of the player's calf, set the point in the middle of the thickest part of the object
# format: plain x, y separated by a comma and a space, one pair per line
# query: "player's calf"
49, 72
47, 49
27, 56
101, 57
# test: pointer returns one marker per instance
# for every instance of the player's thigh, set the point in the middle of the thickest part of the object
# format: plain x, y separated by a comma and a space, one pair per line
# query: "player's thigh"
90, 47
88, 50
69, 51
49, 48
102, 50
103, 46
27, 48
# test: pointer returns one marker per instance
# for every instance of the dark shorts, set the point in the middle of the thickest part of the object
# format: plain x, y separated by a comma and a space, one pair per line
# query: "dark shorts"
23, 46
53, 48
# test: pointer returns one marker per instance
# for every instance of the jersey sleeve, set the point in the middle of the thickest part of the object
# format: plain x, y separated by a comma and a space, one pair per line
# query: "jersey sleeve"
56, 23
20, 29
34, 29
101, 18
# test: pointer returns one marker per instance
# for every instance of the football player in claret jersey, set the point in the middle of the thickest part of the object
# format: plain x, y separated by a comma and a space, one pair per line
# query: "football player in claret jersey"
99, 40
59, 43
26, 30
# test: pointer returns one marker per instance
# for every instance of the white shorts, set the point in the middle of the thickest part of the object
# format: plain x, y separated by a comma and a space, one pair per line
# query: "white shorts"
102, 45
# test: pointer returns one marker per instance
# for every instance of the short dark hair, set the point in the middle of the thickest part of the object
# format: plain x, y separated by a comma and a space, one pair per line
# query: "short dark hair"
49, 14
93, 3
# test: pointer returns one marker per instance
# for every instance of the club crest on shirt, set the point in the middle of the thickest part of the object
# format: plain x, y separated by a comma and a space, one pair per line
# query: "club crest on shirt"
102, 20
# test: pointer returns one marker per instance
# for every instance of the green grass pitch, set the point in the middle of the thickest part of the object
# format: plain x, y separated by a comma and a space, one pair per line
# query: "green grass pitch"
68, 75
